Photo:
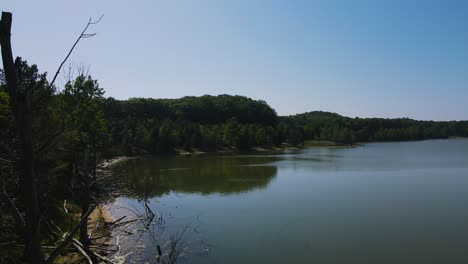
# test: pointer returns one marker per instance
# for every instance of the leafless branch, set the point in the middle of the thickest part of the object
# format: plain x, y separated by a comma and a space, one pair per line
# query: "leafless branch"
80, 249
5, 160
81, 36
94, 230
19, 220
97, 21
51, 141
69, 237
65, 206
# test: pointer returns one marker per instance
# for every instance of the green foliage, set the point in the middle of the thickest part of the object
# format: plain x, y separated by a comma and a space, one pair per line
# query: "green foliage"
80, 101
344, 130
231, 132
294, 137
167, 137
212, 122
145, 125
5, 111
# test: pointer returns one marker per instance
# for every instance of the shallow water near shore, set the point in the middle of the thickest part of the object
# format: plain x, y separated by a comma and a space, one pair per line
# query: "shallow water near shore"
403, 202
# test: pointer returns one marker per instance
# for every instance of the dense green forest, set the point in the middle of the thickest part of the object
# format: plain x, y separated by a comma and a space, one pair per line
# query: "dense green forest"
330, 126
207, 123
210, 123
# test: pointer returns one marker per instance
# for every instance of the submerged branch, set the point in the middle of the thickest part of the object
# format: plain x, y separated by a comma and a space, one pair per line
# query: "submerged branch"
80, 249
69, 237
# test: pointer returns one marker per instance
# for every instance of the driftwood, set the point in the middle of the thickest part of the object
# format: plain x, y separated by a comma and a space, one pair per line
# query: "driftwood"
94, 230
102, 258
80, 249
65, 206
118, 220
69, 237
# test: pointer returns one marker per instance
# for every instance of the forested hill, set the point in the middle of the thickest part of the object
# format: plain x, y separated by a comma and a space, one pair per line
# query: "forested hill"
205, 109
208, 123
145, 125
320, 125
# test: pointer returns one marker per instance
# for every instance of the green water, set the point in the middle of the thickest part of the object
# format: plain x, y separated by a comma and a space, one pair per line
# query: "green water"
380, 203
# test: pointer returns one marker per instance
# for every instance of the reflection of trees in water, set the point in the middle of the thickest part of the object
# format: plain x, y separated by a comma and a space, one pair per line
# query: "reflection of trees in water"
223, 174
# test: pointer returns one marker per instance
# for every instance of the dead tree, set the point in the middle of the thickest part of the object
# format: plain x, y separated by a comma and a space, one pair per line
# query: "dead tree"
20, 104
21, 109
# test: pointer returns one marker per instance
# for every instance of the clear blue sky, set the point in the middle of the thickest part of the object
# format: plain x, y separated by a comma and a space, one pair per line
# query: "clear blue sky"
357, 58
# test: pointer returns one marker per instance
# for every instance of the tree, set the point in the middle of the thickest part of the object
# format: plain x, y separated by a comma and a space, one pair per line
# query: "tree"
24, 84
21, 108
85, 122
167, 137
231, 132
294, 137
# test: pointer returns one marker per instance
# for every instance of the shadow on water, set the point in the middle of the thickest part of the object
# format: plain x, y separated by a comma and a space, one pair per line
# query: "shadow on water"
381, 203
209, 174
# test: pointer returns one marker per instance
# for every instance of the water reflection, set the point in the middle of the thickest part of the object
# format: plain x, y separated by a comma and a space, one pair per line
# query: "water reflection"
381, 203
225, 174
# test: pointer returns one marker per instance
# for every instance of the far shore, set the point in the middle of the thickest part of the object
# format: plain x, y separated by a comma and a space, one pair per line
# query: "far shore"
110, 163
283, 147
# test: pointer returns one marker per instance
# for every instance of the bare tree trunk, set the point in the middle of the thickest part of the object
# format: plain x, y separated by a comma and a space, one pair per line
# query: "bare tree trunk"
21, 110
85, 204
85, 199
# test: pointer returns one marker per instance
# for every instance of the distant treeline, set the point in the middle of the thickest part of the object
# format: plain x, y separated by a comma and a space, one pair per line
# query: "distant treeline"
209, 123
205, 123
330, 126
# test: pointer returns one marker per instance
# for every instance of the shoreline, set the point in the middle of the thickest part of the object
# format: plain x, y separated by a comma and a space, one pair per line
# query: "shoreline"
229, 150
105, 167
100, 220
310, 144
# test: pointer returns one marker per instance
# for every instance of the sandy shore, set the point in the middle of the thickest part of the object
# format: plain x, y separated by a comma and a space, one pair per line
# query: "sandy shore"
101, 214
98, 227
100, 220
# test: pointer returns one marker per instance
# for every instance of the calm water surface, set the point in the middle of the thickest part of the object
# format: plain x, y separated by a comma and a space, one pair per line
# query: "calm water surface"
380, 203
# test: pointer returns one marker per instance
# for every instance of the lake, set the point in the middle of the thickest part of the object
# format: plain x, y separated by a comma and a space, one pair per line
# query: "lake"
404, 202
